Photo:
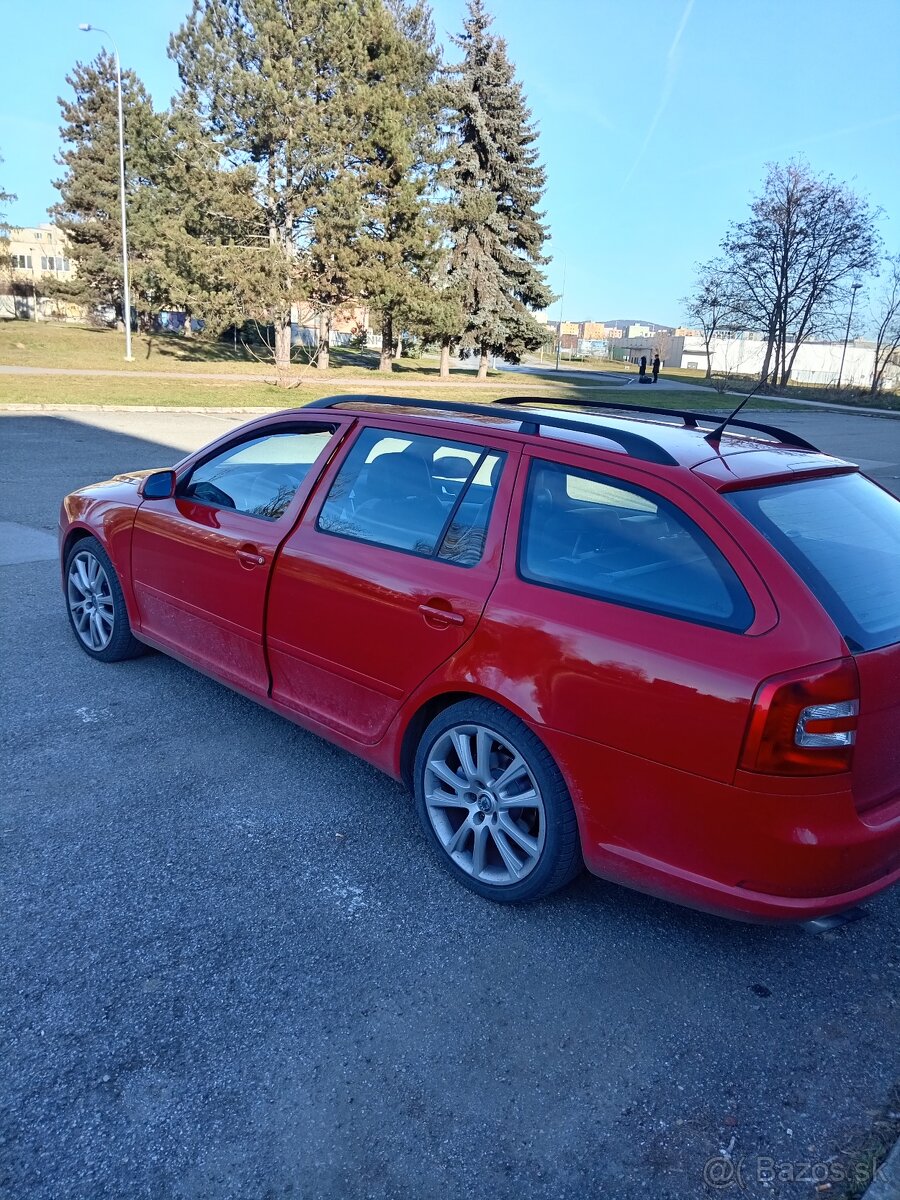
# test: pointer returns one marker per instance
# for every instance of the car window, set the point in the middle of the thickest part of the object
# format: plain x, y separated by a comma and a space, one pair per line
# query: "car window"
260, 476
842, 537
615, 541
414, 493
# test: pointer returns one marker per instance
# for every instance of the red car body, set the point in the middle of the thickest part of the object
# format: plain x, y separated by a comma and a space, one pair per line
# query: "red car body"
652, 720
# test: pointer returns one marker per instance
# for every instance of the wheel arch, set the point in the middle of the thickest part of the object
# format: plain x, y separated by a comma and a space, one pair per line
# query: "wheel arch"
425, 710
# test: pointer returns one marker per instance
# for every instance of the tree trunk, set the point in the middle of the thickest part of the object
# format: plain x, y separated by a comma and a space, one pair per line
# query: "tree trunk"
283, 349
324, 337
386, 358
767, 360
483, 363
398, 345
445, 359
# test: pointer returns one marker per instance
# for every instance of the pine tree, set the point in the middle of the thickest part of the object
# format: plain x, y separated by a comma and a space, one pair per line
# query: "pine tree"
280, 86
399, 245
5, 198
88, 211
496, 182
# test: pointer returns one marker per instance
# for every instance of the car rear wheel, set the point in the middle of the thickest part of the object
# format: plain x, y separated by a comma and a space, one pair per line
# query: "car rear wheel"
493, 803
96, 606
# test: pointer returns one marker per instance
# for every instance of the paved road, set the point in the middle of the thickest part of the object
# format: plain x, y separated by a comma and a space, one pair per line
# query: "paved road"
231, 969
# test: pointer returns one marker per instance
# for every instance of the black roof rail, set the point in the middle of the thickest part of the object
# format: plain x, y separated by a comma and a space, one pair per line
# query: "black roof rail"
689, 418
634, 444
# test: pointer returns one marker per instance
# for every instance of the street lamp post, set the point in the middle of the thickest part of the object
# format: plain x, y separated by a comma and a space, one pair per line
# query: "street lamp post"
126, 304
562, 300
853, 290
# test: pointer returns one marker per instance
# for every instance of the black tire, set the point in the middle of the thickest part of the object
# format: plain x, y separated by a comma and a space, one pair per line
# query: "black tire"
122, 643
558, 860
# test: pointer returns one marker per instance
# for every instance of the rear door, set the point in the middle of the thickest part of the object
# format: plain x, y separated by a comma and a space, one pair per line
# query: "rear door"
200, 561
387, 573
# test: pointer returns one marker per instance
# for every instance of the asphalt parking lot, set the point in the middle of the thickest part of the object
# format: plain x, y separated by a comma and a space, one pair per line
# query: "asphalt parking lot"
232, 970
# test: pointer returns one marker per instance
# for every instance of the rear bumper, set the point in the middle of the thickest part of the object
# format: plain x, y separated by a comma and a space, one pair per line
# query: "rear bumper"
710, 895
743, 850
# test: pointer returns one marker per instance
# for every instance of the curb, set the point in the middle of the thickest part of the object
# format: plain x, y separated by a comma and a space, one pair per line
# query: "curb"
886, 1184
260, 409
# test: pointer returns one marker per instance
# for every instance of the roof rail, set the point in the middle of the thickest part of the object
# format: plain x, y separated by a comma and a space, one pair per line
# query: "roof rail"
634, 444
689, 418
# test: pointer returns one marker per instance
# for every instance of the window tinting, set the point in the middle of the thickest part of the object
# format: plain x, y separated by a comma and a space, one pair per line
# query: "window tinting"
842, 537
418, 494
601, 537
259, 477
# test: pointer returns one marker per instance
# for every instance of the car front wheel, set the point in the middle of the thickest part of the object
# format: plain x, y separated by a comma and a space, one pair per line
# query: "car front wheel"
96, 606
493, 803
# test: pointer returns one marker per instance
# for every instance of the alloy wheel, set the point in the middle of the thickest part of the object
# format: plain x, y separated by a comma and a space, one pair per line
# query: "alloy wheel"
484, 804
90, 600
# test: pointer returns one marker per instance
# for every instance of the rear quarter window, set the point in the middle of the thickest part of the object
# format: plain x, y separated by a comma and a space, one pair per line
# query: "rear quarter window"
614, 541
841, 535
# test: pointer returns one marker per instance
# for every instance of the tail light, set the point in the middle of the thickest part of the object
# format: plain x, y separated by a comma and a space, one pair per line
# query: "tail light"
804, 722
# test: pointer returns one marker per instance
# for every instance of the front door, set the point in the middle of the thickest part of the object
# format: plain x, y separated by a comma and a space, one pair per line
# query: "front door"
201, 560
387, 574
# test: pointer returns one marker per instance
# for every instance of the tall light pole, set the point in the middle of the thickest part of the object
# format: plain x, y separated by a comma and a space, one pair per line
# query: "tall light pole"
854, 288
562, 300
126, 300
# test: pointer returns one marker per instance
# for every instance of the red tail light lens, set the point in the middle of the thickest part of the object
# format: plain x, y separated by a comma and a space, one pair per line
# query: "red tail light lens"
804, 722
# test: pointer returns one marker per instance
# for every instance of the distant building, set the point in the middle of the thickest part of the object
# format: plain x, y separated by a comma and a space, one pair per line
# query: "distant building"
744, 353
35, 252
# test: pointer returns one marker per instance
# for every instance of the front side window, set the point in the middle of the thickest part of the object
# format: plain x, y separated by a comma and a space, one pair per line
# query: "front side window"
615, 541
258, 477
420, 494
841, 535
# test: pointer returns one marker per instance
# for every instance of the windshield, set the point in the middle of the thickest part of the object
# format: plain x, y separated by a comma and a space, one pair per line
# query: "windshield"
842, 537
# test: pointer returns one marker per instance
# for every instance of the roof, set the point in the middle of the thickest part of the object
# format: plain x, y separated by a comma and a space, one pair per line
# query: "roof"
664, 437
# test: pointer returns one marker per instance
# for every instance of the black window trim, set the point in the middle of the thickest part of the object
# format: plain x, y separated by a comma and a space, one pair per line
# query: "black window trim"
286, 427
624, 484
434, 556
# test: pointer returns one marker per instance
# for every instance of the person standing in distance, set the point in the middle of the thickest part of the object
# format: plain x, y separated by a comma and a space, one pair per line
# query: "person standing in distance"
655, 367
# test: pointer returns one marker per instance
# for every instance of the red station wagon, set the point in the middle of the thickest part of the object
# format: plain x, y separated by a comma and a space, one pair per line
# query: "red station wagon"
632, 640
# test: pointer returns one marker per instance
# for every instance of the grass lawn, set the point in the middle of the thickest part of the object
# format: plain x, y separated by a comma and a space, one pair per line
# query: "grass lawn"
43, 344
194, 393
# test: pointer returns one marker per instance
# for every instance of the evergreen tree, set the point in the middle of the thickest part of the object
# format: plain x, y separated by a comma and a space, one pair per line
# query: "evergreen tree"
280, 87
399, 244
88, 211
496, 182
5, 198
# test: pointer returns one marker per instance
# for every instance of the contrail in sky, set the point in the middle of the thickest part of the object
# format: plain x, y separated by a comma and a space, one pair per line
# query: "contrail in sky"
666, 93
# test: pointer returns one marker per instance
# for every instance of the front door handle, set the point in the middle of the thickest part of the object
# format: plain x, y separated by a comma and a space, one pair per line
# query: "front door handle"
437, 615
250, 557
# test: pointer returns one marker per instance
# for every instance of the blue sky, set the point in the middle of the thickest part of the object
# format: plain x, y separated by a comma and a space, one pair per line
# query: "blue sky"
656, 118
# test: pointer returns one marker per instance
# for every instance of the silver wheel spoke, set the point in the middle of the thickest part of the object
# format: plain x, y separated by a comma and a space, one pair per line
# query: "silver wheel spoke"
519, 836
458, 840
447, 776
479, 850
527, 799
443, 800
512, 863
462, 743
483, 742
513, 771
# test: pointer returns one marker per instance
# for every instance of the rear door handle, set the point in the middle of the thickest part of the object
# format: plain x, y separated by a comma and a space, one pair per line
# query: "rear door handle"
250, 556
432, 613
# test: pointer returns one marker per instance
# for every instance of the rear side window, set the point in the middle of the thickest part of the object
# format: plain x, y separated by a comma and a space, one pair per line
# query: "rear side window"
418, 494
601, 537
842, 537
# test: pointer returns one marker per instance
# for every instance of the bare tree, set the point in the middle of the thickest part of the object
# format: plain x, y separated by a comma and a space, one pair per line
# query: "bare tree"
710, 305
806, 237
887, 336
